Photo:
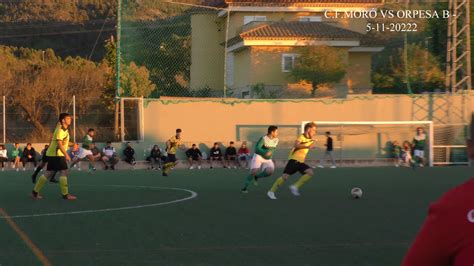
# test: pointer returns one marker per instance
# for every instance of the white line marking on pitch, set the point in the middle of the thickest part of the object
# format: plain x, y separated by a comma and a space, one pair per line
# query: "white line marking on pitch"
192, 196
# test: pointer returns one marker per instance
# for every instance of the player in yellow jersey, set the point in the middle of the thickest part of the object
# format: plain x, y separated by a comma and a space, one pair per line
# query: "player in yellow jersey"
57, 158
296, 162
172, 146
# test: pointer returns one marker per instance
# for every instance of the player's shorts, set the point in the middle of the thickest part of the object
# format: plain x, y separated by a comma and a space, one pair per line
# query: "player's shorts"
419, 153
294, 166
83, 153
56, 163
258, 161
171, 158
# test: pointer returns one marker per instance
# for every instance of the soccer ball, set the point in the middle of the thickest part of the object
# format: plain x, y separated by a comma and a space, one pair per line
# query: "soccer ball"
356, 193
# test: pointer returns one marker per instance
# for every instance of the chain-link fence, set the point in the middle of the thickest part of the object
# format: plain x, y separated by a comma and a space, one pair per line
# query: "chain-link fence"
215, 49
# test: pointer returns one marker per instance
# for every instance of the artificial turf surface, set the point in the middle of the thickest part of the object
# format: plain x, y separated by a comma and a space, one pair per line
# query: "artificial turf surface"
221, 226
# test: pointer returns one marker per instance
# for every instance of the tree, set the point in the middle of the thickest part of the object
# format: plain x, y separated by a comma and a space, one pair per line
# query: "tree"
424, 71
319, 65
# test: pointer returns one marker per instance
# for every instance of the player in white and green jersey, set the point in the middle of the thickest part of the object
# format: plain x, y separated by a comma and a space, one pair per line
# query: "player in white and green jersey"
85, 151
262, 158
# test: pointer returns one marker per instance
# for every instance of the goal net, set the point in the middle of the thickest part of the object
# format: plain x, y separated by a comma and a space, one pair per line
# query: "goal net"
370, 141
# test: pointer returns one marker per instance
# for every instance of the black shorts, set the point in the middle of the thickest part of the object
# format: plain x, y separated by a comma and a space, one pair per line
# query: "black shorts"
294, 166
44, 159
56, 163
216, 158
171, 158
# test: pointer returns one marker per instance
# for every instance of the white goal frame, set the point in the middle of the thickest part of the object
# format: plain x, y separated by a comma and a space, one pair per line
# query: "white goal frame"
343, 123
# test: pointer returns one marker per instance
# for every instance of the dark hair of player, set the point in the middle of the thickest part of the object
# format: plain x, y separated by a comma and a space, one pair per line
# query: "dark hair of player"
328, 133
90, 130
178, 130
271, 129
62, 116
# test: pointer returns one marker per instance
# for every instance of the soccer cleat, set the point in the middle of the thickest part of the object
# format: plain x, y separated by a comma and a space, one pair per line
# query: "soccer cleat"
191, 167
107, 167
24, 169
36, 195
320, 166
69, 197
164, 174
294, 190
199, 167
244, 190
112, 167
18, 169
333, 166
271, 195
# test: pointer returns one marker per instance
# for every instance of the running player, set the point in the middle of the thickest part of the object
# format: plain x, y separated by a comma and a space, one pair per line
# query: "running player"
57, 159
262, 158
85, 150
172, 146
296, 162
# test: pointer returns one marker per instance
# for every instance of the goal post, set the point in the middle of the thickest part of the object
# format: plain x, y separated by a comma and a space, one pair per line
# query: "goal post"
371, 140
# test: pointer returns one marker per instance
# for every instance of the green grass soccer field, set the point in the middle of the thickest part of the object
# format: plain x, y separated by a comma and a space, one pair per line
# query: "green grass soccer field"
200, 217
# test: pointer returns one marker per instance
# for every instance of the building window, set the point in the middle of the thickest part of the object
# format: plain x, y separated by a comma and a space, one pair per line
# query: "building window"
288, 62
311, 19
250, 19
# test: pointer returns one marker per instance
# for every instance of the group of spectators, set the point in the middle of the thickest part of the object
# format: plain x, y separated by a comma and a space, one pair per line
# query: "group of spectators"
410, 153
18, 156
230, 158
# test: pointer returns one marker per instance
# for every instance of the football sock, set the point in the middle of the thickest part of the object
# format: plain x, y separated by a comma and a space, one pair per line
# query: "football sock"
39, 185
63, 185
303, 179
277, 184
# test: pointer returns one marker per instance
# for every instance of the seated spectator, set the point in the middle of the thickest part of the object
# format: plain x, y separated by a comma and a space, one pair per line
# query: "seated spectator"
231, 155
74, 154
243, 155
396, 153
194, 154
3, 156
96, 155
109, 156
29, 156
216, 155
156, 157
406, 154
16, 157
129, 154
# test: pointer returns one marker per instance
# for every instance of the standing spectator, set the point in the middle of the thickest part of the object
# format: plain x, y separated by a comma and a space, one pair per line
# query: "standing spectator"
194, 154
3, 156
16, 157
129, 154
231, 155
419, 142
44, 161
243, 155
156, 157
29, 156
329, 151
110, 156
216, 155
